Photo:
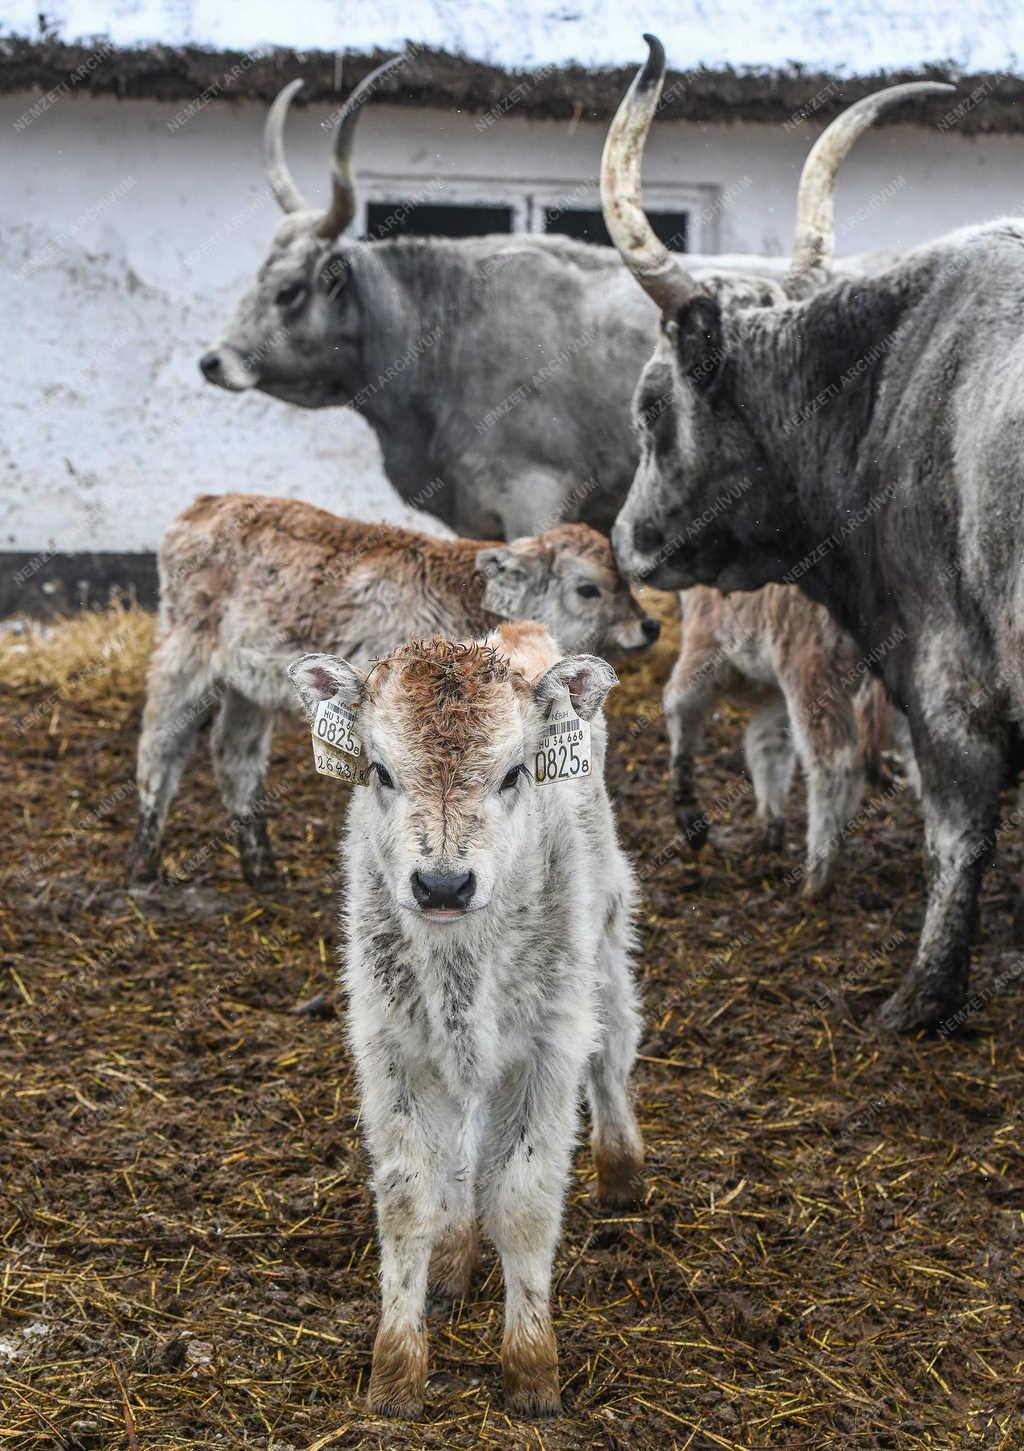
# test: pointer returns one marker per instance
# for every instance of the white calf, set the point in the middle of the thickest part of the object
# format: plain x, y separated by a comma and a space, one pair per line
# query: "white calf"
488, 915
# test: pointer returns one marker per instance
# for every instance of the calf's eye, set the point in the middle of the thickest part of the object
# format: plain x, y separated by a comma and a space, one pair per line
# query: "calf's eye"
289, 296
511, 777
587, 591
383, 776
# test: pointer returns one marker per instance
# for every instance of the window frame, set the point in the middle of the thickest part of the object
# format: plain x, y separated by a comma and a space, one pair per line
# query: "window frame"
528, 200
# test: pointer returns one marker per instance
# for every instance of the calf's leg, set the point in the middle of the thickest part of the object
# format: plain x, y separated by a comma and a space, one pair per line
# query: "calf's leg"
241, 747
904, 747
826, 737
456, 1252
687, 700
524, 1183
177, 703
405, 1132
768, 748
615, 1141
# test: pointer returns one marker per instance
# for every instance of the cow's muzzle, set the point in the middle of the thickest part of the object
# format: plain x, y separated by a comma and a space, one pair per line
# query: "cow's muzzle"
227, 369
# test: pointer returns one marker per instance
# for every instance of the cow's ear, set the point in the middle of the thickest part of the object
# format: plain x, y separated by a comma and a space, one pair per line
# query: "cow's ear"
326, 677
697, 336
507, 577
587, 678
335, 271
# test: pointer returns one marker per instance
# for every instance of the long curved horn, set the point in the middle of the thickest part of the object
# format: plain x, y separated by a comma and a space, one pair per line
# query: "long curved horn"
658, 271
814, 238
289, 198
343, 192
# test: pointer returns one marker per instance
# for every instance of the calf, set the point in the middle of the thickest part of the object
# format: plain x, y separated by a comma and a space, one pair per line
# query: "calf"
488, 917
806, 685
248, 579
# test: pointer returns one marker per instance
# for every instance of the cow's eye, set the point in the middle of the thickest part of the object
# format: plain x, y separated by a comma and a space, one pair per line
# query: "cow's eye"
511, 777
383, 776
587, 591
291, 296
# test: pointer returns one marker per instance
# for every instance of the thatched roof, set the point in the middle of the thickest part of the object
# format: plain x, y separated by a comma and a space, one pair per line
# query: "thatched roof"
985, 102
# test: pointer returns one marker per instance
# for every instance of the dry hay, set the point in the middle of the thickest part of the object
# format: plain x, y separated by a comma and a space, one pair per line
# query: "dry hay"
830, 1249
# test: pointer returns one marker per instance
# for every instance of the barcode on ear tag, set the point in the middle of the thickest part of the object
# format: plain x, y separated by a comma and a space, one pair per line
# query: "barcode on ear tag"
334, 725
564, 751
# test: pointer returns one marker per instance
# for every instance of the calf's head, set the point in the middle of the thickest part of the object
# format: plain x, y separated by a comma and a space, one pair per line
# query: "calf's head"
297, 332
567, 579
449, 733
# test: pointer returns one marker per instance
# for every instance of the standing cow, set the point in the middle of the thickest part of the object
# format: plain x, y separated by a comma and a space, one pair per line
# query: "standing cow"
874, 433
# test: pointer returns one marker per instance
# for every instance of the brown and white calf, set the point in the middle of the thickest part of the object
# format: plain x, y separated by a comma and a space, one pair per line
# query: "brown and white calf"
487, 969
810, 696
249, 581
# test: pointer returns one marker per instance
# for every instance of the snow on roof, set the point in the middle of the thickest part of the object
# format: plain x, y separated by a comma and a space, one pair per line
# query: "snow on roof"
856, 37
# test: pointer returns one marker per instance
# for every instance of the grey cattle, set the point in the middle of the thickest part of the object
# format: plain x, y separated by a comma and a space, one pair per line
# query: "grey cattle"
871, 440
488, 913
496, 372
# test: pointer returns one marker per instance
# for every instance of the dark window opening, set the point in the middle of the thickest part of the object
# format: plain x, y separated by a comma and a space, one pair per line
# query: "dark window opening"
585, 225
409, 219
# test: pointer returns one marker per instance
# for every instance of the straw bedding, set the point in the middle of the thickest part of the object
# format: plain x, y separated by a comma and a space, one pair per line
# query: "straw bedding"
831, 1247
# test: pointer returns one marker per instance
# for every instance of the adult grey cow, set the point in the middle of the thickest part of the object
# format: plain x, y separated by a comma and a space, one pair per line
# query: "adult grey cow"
496, 371
873, 433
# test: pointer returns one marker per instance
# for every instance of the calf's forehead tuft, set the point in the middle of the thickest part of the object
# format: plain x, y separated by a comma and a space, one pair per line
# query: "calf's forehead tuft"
443, 695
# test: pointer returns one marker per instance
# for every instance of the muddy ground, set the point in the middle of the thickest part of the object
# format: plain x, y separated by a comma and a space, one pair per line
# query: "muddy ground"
831, 1248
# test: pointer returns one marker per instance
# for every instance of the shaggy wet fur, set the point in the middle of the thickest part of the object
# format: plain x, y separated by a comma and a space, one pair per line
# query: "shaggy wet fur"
475, 1036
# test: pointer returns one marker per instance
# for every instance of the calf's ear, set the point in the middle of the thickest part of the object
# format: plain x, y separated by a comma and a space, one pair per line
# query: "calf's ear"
325, 677
697, 336
334, 274
507, 579
587, 678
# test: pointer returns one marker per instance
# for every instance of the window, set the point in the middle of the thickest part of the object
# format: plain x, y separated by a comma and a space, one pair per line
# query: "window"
429, 219
684, 217
587, 225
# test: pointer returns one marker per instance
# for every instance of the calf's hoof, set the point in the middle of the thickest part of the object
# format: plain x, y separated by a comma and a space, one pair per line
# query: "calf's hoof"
143, 865
773, 836
620, 1180
1018, 924
529, 1368
817, 884
693, 827
255, 854
919, 1004
398, 1379
263, 879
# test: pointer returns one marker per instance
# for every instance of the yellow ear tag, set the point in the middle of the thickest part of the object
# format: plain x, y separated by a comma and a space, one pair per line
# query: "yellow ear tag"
336, 747
564, 751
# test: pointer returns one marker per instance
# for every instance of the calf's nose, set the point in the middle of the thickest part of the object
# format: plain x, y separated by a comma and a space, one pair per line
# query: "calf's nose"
651, 628
209, 365
437, 891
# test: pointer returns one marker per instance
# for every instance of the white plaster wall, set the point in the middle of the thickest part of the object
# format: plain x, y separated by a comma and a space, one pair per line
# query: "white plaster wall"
108, 429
